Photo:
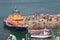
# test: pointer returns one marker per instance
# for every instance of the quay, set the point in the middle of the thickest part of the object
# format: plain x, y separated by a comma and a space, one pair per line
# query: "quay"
43, 20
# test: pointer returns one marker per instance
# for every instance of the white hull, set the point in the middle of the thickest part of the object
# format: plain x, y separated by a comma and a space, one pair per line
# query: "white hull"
41, 36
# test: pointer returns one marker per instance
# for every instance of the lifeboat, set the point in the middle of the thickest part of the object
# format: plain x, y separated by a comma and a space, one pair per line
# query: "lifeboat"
15, 21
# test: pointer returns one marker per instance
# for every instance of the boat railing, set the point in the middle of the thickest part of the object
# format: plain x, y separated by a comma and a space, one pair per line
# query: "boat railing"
22, 25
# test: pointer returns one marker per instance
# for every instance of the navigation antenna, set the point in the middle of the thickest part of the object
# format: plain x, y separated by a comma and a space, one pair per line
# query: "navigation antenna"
16, 10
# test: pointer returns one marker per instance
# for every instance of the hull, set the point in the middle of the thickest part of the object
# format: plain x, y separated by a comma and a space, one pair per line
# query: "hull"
44, 33
16, 27
41, 36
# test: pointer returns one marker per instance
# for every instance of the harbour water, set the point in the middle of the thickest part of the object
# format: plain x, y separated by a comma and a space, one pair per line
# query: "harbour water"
26, 7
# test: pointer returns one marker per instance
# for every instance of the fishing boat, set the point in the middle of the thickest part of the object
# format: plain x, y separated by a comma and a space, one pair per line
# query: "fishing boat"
44, 33
16, 21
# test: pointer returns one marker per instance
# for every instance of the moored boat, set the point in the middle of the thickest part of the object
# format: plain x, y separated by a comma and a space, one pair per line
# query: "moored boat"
12, 37
57, 37
44, 33
58, 32
16, 21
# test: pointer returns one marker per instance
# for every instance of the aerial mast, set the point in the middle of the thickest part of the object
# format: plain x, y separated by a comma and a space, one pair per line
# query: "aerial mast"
16, 10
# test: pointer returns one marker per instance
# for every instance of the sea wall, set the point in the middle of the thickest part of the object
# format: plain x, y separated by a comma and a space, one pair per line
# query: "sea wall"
42, 21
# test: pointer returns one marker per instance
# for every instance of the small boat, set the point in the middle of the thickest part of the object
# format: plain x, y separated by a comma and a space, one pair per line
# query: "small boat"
57, 37
16, 21
58, 32
44, 33
12, 37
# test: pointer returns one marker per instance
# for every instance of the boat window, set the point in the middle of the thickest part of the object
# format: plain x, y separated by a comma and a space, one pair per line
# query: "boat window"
18, 19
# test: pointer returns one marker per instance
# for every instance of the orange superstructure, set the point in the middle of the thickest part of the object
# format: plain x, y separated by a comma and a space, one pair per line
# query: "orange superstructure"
15, 19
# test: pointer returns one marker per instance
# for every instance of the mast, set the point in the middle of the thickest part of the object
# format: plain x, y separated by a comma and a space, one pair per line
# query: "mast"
16, 10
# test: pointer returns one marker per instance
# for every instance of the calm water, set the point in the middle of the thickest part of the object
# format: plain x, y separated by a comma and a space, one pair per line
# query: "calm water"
26, 7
